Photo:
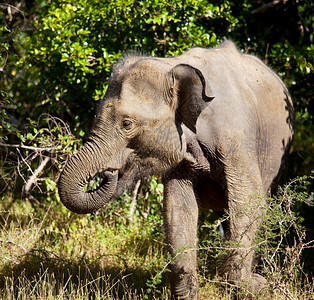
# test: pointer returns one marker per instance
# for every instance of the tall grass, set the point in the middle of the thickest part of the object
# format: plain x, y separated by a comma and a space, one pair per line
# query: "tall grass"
48, 252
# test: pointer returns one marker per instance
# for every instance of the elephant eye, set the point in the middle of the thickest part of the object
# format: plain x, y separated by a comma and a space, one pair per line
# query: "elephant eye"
127, 124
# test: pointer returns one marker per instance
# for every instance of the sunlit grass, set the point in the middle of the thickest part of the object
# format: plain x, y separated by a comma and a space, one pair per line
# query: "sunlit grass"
51, 253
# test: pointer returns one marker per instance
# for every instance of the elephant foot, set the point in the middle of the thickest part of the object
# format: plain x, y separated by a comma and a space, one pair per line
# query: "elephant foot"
241, 276
259, 284
256, 285
184, 286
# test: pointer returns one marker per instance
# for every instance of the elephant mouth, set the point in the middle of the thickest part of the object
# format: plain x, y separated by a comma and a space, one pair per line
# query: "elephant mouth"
99, 180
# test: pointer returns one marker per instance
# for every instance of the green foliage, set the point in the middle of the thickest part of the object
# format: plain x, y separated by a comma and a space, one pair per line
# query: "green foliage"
285, 245
146, 207
70, 55
288, 48
61, 66
47, 138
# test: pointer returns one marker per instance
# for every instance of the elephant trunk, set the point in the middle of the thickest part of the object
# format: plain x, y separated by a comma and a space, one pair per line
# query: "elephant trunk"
82, 167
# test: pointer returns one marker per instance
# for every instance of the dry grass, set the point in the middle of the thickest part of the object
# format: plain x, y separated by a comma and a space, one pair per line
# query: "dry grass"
51, 253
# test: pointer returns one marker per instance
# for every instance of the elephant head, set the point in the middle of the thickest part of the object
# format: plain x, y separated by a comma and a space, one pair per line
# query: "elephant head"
141, 116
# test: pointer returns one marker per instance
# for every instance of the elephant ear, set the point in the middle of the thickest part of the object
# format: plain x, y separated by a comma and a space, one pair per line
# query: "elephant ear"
193, 92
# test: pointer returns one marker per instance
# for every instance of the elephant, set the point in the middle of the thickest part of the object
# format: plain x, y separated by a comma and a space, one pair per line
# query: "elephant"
216, 124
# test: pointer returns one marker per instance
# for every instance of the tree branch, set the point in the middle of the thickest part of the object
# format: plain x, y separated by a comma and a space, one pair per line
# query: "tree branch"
133, 203
267, 6
29, 147
32, 180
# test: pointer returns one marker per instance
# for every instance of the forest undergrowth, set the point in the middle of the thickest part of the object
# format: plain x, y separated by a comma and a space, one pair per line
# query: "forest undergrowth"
48, 252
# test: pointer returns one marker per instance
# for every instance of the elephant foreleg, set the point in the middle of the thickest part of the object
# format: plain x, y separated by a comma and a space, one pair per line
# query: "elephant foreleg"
180, 218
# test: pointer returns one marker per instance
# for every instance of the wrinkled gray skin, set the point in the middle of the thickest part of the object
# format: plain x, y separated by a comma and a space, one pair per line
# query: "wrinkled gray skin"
216, 123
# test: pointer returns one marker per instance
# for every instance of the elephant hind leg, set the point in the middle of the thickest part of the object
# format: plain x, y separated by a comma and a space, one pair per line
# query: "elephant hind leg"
246, 204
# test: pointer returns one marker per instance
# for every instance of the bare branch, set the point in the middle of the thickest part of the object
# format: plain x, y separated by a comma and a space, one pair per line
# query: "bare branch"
133, 203
33, 179
12, 243
267, 6
11, 9
31, 148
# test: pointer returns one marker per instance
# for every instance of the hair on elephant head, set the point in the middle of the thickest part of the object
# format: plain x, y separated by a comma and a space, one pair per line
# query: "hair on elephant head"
215, 122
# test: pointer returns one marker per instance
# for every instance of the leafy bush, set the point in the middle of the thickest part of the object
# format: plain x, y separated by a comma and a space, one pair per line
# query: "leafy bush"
60, 63
284, 245
66, 62
70, 55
